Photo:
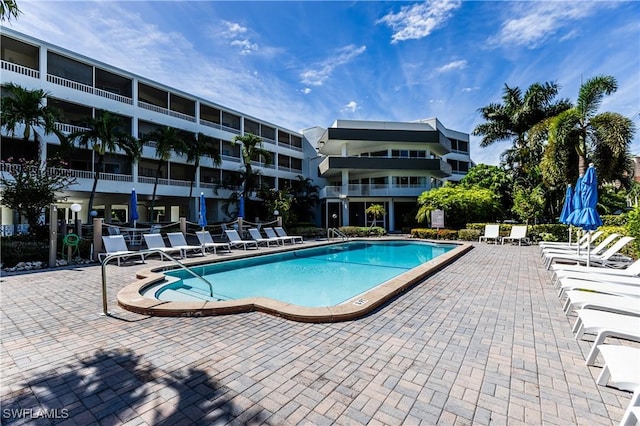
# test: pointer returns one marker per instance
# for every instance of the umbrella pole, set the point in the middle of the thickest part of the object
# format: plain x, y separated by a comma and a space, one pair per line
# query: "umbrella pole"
589, 250
570, 240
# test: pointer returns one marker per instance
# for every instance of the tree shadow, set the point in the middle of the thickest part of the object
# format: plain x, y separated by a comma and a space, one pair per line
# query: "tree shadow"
114, 387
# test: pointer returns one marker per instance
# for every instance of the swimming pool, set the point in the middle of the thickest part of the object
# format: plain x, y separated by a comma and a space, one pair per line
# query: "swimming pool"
314, 277
140, 296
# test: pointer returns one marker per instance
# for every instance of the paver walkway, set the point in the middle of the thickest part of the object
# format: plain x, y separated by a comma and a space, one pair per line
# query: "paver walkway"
484, 341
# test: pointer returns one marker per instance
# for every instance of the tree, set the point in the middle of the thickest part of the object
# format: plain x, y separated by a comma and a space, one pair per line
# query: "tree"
528, 204
32, 188
252, 150
167, 141
460, 205
198, 146
28, 108
494, 178
377, 211
105, 135
305, 197
8, 9
583, 134
513, 120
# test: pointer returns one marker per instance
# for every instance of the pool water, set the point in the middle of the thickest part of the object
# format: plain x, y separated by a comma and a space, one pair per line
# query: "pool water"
314, 277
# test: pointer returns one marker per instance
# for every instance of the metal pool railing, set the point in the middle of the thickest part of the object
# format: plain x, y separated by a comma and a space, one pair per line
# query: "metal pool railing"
144, 253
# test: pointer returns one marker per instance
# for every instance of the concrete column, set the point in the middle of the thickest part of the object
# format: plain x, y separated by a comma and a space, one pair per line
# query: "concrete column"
392, 216
97, 237
53, 235
183, 225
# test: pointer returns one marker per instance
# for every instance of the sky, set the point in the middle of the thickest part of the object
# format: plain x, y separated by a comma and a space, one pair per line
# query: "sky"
300, 64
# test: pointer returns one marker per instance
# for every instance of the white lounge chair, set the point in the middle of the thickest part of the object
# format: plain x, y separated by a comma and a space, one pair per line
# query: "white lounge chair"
491, 232
563, 244
177, 240
236, 241
156, 242
257, 237
631, 417
272, 234
518, 233
632, 270
618, 289
621, 367
605, 324
611, 257
115, 245
577, 299
597, 249
282, 233
206, 240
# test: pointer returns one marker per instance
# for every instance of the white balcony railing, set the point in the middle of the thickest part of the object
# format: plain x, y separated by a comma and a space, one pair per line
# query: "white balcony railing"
164, 181
88, 89
68, 128
10, 66
165, 111
373, 190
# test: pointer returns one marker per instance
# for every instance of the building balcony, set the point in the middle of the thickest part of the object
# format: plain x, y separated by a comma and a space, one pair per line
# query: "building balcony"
333, 166
373, 190
10, 66
88, 89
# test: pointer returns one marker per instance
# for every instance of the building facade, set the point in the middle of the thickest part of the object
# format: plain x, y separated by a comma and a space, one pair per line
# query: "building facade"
362, 163
355, 163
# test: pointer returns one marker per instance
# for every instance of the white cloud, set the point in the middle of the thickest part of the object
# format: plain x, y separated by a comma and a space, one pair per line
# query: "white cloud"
237, 34
455, 65
470, 89
538, 21
320, 72
419, 20
306, 90
351, 107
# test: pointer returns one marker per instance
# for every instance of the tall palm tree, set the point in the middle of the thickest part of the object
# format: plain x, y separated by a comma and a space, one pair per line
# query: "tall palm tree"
252, 150
513, 119
168, 140
8, 9
104, 135
198, 146
583, 134
28, 107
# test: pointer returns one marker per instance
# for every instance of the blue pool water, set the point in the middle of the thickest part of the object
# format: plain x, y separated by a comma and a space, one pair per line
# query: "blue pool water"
314, 277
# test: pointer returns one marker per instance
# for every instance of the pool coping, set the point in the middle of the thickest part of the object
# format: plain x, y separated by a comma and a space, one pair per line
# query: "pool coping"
129, 297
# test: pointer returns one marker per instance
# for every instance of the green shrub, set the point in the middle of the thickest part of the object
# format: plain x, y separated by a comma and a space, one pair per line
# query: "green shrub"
469, 234
632, 228
308, 231
16, 250
434, 234
362, 231
614, 219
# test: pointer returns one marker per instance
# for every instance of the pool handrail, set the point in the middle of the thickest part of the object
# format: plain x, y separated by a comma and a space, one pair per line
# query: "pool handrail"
143, 253
336, 233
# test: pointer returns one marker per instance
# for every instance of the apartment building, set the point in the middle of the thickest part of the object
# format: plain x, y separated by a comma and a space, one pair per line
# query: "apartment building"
361, 163
355, 163
78, 87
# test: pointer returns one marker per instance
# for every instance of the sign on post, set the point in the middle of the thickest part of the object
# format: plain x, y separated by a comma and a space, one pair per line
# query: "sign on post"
437, 219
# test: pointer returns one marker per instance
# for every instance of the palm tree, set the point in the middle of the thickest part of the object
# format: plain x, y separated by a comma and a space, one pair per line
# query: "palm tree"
514, 119
167, 140
377, 211
583, 134
8, 9
198, 146
104, 135
28, 107
252, 150
305, 197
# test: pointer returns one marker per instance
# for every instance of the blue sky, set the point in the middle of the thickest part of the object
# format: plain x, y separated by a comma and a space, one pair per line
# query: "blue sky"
302, 64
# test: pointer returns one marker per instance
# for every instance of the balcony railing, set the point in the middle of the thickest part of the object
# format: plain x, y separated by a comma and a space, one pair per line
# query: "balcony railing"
164, 181
88, 89
165, 111
69, 128
30, 72
373, 190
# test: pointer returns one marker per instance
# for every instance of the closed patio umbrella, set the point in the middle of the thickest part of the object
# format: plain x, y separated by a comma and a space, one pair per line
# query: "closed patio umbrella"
567, 208
589, 218
133, 207
576, 202
202, 215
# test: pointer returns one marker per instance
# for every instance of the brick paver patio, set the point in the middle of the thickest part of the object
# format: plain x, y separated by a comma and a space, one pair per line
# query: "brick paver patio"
484, 341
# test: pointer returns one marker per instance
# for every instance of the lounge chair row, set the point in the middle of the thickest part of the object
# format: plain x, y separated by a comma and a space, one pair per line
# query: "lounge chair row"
492, 233
116, 246
606, 302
